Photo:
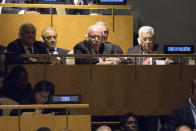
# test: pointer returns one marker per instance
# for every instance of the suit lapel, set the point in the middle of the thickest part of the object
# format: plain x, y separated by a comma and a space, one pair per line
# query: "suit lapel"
22, 47
190, 115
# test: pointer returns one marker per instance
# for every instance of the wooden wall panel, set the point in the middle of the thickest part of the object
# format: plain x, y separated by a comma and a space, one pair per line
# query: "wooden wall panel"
114, 90
32, 123
71, 28
10, 23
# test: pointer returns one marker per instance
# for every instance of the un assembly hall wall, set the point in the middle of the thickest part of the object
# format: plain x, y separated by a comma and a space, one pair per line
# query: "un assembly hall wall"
71, 29
173, 20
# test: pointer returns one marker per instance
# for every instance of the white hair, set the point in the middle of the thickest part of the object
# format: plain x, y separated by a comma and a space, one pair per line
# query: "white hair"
93, 27
101, 128
146, 29
100, 23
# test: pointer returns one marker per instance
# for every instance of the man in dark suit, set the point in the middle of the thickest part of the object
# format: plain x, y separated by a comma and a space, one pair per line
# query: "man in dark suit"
186, 113
49, 36
19, 10
145, 46
25, 44
95, 43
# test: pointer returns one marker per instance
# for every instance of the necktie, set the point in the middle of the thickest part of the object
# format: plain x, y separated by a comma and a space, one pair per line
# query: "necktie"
30, 50
52, 51
146, 61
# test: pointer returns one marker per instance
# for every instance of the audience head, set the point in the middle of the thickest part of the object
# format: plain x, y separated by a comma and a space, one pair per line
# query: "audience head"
95, 37
104, 128
42, 92
65, 129
19, 75
105, 29
2, 75
183, 128
49, 36
27, 34
129, 122
146, 38
44, 129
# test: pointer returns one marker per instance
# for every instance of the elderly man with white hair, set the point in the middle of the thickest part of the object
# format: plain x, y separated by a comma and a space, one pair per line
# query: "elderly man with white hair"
145, 46
104, 128
95, 43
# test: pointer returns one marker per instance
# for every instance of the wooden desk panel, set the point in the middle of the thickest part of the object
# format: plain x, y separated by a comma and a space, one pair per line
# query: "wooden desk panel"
114, 90
32, 123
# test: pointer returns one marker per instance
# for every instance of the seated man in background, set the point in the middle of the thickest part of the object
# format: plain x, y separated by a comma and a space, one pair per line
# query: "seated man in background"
104, 128
186, 113
129, 122
95, 43
49, 37
16, 86
19, 10
25, 44
146, 46
42, 92
183, 128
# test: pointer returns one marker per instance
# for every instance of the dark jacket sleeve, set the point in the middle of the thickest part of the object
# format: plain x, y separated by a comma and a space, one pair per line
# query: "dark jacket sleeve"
80, 50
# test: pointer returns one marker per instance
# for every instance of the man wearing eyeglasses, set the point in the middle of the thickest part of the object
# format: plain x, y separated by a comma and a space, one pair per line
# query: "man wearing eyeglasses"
95, 43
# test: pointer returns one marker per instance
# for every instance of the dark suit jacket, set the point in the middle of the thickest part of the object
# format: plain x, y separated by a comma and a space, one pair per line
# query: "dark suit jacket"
16, 47
61, 52
137, 50
83, 48
181, 115
13, 90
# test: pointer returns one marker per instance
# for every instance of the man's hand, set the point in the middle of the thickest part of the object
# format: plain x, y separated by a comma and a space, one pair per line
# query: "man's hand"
54, 60
168, 61
110, 61
114, 60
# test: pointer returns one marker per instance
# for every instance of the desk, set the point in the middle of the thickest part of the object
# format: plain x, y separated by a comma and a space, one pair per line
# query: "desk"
114, 90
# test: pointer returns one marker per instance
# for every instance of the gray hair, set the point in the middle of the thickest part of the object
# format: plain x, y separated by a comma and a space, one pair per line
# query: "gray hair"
23, 26
100, 23
93, 27
101, 128
146, 29
45, 30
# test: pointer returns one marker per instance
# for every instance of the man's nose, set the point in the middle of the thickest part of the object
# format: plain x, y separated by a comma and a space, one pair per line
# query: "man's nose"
147, 41
96, 38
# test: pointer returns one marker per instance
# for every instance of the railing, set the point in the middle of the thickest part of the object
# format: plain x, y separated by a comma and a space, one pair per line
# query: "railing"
69, 6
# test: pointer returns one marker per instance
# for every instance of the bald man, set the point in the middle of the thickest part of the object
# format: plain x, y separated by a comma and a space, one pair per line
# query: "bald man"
183, 128
95, 43
25, 44
104, 128
49, 37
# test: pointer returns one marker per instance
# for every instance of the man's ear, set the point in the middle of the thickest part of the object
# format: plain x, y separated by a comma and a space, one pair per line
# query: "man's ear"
86, 37
138, 40
19, 36
41, 39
